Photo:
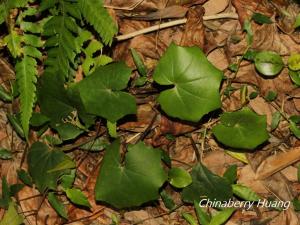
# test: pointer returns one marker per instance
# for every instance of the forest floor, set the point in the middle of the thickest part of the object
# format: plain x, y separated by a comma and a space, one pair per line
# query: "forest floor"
216, 26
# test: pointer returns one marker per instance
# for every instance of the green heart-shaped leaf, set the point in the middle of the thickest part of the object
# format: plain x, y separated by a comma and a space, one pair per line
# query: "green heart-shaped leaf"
207, 185
41, 160
196, 83
53, 98
243, 129
133, 184
101, 93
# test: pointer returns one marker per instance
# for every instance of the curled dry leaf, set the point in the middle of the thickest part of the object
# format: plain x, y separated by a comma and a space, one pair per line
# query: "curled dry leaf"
286, 217
194, 29
266, 37
246, 177
225, 30
217, 161
218, 58
136, 5
149, 46
245, 8
281, 84
7, 72
290, 173
136, 216
286, 23
86, 180
33, 203
279, 186
169, 126
261, 107
144, 116
182, 151
215, 6
153, 45
148, 5
277, 162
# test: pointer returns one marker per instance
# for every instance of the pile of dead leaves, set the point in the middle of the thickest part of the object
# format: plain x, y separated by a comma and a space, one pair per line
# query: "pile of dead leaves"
270, 172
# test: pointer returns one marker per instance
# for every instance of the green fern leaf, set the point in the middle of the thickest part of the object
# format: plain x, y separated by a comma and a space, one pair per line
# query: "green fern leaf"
26, 79
95, 14
13, 42
61, 42
91, 48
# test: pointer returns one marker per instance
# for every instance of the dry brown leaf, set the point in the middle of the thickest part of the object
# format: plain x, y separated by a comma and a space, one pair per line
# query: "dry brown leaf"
218, 161
286, 23
218, 58
290, 173
287, 217
261, 107
169, 126
144, 116
136, 5
46, 214
277, 162
215, 6
225, 30
266, 37
7, 72
245, 8
246, 176
194, 34
148, 5
174, 11
86, 178
279, 187
183, 152
243, 217
281, 84
136, 216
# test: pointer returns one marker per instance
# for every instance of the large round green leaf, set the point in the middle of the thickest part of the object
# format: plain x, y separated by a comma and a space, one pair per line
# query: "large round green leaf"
268, 63
133, 184
242, 129
196, 83
101, 93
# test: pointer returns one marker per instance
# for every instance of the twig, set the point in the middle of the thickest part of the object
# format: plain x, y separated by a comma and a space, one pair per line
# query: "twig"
71, 147
198, 157
173, 23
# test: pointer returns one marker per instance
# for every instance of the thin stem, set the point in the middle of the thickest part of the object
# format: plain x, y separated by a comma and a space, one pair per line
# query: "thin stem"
173, 23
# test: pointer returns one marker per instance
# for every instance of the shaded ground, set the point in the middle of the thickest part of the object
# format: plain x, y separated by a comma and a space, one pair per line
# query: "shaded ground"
270, 172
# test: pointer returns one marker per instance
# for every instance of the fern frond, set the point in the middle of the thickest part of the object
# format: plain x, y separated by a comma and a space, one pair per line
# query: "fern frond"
26, 73
60, 31
13, 42
96, 15
90, 46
